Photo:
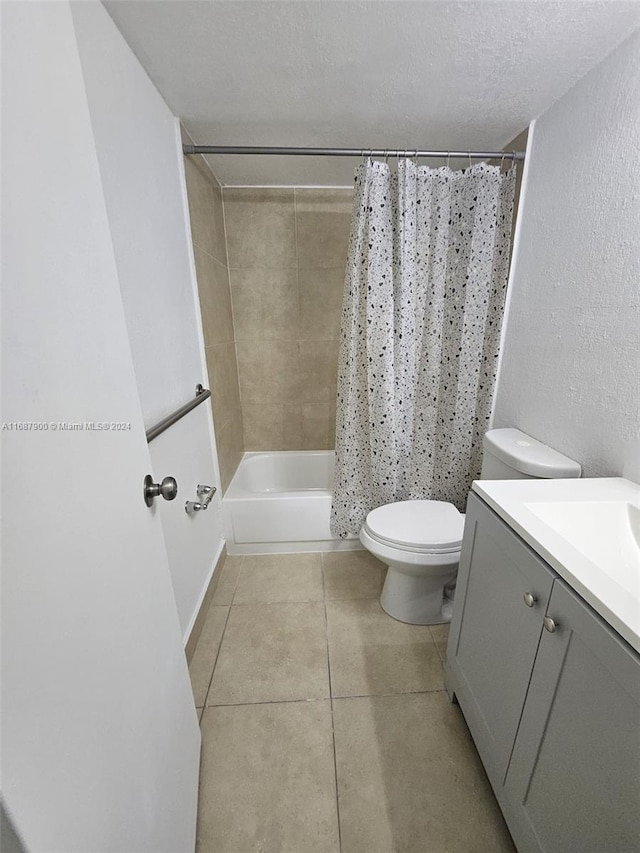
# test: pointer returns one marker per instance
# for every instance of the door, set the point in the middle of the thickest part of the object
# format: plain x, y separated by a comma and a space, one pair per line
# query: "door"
574, 775
495, 634
100, 740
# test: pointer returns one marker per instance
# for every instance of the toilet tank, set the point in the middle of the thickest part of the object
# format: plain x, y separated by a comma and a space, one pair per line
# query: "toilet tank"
509, 454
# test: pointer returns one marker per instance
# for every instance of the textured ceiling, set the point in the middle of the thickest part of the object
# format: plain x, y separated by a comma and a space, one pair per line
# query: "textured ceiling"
394, 74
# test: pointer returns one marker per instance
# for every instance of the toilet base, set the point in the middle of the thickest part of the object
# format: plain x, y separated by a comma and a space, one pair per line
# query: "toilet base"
414, 599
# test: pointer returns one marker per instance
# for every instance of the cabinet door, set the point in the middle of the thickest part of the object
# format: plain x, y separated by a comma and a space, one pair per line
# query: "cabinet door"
494, 634
574, 775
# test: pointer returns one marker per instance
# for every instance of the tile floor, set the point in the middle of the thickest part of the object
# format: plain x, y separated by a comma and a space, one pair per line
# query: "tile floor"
325, 725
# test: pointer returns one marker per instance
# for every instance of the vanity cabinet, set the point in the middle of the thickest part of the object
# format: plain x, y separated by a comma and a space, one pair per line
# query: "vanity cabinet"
551, 695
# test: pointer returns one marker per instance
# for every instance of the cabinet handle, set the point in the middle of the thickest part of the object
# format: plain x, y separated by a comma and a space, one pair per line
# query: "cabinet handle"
549, 624
529, 599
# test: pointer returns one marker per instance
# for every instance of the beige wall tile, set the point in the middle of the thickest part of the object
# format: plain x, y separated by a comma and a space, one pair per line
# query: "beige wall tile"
292, 429
262, 426
215, 299
323, 221
319, 426
268, 371
221, 364
230, 447
318, 371
260, 226
227, 411
286, 306
265, 304
321, 294
209, 246
205, 209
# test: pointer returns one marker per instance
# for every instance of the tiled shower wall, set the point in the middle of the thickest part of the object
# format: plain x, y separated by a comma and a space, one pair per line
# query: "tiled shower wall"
287, 252
209, 247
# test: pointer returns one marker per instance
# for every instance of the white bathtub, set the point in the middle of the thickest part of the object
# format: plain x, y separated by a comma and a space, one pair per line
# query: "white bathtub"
280, 501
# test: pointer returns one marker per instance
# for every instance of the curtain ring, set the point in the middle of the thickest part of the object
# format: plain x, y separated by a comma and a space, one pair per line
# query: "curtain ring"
386, 156
504, 154
513, 159
448, 159
470, 163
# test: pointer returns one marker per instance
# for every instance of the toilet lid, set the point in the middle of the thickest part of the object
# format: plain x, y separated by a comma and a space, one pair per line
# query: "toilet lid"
426, 526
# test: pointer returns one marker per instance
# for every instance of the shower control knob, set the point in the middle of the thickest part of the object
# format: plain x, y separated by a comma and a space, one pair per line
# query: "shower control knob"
167, 489
529, 599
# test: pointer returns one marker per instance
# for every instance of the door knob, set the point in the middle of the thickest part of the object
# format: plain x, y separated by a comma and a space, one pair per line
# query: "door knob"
168, 489
550, 625
529, 599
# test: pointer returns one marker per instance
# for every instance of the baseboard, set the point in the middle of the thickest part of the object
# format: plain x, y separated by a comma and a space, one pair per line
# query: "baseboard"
198, 622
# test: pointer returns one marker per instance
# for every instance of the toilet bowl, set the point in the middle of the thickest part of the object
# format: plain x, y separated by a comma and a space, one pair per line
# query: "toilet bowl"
420, 542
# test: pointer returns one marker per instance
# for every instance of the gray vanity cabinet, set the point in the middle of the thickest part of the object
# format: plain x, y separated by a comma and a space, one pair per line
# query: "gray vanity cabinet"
574, 776
551, 695
494, 638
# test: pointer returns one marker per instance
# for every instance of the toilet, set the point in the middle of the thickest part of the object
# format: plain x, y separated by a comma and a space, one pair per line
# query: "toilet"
420, 540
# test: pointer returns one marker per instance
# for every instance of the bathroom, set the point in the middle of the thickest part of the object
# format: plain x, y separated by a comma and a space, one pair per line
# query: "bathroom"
227, 680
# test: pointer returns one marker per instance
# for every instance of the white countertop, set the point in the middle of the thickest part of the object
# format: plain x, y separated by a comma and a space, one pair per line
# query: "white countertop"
595, 573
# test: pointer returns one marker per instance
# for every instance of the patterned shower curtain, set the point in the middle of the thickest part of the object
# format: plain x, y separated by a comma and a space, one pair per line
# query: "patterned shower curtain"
423, 303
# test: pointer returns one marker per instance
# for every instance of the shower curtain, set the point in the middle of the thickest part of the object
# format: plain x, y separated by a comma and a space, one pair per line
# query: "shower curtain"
423, 303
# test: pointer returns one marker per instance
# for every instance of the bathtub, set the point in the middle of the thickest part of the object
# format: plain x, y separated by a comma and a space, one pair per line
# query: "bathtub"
280, 501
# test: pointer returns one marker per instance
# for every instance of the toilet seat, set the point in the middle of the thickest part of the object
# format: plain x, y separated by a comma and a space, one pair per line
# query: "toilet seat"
419, 526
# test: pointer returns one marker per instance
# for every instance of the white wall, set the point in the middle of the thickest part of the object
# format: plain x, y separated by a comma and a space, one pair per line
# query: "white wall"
570, 365
140, 158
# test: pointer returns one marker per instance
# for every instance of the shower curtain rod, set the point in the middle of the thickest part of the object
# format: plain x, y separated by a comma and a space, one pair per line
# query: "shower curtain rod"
351, 152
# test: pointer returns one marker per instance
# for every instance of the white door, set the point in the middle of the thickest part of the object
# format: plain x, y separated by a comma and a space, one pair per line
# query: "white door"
100, 740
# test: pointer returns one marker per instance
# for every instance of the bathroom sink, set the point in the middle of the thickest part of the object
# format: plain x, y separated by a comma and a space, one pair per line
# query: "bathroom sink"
606, 532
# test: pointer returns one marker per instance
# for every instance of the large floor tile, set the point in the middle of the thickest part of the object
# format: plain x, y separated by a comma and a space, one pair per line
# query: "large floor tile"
410, 780
267, 780
228, 580
206, 652
352, 574
271, 653
370, 653
280, 577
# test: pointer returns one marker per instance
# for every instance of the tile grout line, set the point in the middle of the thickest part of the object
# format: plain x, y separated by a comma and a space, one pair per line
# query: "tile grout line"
333, 728
233, 318
328, 698
213, 669
304, 601
299, 319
